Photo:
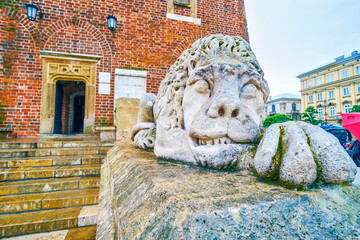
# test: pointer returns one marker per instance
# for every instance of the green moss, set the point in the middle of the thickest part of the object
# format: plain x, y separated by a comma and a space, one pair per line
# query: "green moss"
10, 29
133, 68
280, 118
11, 4
103, 122
319, 168
278, 158
89, 129
182, 4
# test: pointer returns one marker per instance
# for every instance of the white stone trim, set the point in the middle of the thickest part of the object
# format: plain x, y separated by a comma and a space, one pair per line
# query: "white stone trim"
128, 72
196, 21
88, 216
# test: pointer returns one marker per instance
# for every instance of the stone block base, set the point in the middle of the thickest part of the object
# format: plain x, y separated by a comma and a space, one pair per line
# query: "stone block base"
106, 133
142, 197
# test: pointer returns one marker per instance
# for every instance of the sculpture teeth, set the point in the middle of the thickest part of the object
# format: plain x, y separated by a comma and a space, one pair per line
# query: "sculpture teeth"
219, 141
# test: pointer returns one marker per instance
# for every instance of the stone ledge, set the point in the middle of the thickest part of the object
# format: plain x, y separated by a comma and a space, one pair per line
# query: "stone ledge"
196, 21
142, 197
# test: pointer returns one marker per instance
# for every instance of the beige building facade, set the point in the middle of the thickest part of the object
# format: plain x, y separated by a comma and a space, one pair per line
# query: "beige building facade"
286, 103
333, 88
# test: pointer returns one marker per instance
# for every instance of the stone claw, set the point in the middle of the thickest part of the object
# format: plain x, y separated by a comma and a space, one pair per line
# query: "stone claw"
145, 138
299, 154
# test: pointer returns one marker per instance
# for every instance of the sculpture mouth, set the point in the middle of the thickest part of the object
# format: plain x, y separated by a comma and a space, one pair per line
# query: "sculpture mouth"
214, 142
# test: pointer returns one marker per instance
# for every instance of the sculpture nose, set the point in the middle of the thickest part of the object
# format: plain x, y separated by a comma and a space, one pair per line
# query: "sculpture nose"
224, 107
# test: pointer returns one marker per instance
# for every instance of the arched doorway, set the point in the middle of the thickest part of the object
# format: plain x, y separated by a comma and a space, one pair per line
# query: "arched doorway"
60, 72
69, 107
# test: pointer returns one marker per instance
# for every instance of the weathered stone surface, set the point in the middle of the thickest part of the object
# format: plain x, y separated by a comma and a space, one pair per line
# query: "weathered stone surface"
267, 156
142, 197
334, 162
300, 154
54, 235
106, 133
88, 216
38, 221
297, 166
126, 117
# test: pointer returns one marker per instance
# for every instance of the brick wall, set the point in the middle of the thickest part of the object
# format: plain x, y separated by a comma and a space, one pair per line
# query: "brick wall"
144, 39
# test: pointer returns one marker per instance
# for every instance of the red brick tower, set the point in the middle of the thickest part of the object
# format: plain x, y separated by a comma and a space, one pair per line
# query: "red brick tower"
37, 58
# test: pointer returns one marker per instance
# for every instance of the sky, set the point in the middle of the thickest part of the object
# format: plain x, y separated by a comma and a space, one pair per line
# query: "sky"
290, 37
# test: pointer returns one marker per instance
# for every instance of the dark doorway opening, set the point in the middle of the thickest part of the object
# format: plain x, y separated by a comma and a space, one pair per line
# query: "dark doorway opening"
69, 107
79, 113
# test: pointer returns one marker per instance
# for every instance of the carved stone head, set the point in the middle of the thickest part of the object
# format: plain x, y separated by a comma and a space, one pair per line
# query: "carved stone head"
211, 103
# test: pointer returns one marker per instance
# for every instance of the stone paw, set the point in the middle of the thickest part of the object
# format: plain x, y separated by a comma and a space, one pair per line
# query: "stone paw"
299, 154
143, 136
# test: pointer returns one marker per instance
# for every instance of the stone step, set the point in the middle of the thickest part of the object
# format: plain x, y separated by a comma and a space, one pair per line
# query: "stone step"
83, 233
47, 220
44, 201
53, 144
20, 153
49, 172
51, 161
48, 185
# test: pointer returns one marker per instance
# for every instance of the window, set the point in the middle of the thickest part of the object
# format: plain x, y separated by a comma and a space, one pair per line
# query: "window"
358, 70
309, 84
358, 88
347, 108
331, 94
319, 96
346, 91
344, 74
311, 98
330, 78
318, 81
182, 2
320, 112
175, 4
273, 108
332, 111
293, 107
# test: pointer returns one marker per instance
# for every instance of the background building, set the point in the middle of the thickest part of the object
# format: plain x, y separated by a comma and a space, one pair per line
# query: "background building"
63, 73
333, 88
286, 103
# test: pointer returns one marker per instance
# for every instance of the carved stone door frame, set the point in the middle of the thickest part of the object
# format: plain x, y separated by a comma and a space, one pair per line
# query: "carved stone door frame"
67, 67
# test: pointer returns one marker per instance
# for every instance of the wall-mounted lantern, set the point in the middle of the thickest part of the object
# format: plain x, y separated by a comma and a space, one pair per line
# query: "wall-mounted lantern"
111, 20
32, 10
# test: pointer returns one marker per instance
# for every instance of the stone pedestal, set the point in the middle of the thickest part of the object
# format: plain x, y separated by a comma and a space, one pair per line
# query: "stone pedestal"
142, 197
106, 133
126, 117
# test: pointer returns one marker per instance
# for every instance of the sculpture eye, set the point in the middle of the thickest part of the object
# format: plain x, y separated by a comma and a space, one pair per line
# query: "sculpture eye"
201, 86
248, 90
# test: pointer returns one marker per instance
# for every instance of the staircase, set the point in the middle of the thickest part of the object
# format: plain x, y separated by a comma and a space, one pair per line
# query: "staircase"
50, 184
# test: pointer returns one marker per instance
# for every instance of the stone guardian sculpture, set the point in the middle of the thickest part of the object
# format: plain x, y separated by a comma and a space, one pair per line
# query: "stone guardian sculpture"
209, 112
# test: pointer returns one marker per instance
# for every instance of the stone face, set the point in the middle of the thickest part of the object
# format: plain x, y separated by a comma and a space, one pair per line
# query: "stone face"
210, 103
142, 197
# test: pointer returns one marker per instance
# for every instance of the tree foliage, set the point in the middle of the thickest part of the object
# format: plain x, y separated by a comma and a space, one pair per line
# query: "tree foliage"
355, 108
310, 117
280, 118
